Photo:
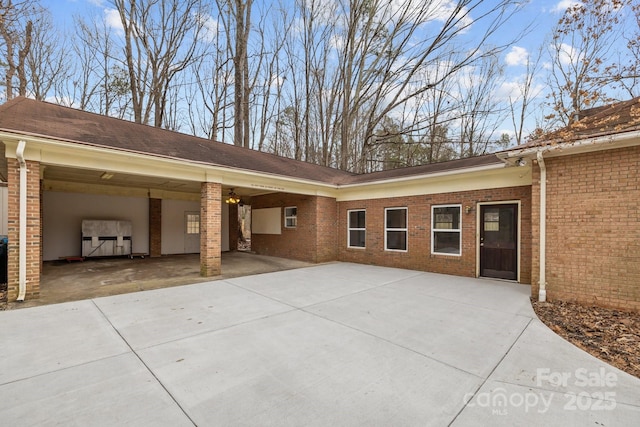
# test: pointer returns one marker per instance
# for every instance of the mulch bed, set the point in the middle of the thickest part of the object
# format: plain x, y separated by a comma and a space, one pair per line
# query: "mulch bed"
610, 335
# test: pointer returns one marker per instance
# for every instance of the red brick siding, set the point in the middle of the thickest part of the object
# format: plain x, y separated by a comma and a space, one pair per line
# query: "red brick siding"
234, 228
155, 227
418, 255
593, 228
312, 240
210, 229
326, 229
33, 229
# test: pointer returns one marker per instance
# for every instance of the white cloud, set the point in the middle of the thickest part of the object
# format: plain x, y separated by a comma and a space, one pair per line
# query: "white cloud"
563, 5
112, 19
517, 56
210, 27
568, 54
98, 3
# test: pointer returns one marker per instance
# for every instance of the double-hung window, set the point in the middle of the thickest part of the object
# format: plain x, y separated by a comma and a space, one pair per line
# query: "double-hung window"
446, 230
356, 228
290, 217
395, 229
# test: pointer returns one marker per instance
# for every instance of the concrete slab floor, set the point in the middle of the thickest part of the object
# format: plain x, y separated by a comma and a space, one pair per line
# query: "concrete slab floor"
62, 281
329, 345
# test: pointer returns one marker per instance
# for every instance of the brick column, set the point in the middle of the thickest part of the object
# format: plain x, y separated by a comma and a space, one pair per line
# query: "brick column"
33, 229
210, 229
234, 228
155, 228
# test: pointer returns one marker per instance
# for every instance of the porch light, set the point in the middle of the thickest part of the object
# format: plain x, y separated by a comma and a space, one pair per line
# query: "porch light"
233, 198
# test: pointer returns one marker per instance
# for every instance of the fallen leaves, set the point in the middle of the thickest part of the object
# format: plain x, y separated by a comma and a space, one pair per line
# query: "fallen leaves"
610, 335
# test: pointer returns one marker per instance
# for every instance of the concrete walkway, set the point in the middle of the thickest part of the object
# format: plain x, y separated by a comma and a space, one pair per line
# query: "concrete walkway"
331, 345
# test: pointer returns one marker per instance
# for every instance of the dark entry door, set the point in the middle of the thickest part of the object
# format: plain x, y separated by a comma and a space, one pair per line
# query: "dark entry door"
499, 241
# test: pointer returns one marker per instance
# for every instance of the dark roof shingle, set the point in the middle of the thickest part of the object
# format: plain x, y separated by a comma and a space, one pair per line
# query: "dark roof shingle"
64, 123
599, 121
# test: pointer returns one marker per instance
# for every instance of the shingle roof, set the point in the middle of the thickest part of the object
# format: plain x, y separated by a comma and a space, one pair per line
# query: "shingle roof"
458, 164
51, 120
605, 120
54, 121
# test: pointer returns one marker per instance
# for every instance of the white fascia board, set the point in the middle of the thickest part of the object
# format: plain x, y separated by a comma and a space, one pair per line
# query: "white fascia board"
466, 180
587, 145
426, 176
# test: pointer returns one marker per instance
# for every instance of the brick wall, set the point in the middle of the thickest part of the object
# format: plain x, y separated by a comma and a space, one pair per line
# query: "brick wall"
314, 237
593, 228
34, 260
418, 255
234, 228
210, 229
326, 229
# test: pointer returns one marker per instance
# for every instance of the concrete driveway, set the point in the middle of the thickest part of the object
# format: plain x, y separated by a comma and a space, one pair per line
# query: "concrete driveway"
331, 345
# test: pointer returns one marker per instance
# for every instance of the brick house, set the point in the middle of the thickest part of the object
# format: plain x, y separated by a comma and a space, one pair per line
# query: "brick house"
476, 217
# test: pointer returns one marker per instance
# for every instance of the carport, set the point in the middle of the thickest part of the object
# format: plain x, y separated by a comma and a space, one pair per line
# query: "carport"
66, 165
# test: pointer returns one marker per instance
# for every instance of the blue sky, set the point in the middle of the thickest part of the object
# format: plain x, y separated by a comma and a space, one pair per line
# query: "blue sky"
539, 15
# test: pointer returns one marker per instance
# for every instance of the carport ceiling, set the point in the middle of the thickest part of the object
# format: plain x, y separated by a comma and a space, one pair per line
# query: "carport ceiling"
88, 176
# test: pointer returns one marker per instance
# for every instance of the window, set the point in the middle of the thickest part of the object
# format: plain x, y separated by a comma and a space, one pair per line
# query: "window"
356, 228
446, 230
395, 229
290, 217
193, 223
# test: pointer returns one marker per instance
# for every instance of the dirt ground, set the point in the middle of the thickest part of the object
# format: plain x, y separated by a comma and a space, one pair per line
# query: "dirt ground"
610, 335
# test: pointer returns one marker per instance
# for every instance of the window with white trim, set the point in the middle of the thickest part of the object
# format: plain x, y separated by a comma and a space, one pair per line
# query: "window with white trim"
395, 229
193, 223
356, 228
290, 217
446, 230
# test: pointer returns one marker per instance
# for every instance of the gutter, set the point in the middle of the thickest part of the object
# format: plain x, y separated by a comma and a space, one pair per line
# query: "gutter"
22, 239
590, 144
542, 289
514, 157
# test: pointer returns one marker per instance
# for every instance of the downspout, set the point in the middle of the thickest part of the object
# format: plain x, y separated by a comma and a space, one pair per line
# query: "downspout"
542, 290
22, 240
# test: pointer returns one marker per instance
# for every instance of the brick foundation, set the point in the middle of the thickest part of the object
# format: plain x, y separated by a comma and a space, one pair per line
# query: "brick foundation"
34, 260
210, 229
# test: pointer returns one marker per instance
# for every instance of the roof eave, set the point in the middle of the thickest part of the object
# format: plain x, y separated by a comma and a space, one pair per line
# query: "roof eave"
421, 176
584, 145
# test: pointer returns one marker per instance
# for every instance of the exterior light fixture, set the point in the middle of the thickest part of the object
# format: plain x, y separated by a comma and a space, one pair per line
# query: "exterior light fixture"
233, 198
521, 162
106, 176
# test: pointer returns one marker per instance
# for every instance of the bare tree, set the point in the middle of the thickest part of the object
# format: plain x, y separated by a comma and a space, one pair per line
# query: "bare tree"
581, 50
236, 18
480, 112
628, 76
385, 48
101, 82
48, 61
520, 102
161, 38
16, 29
